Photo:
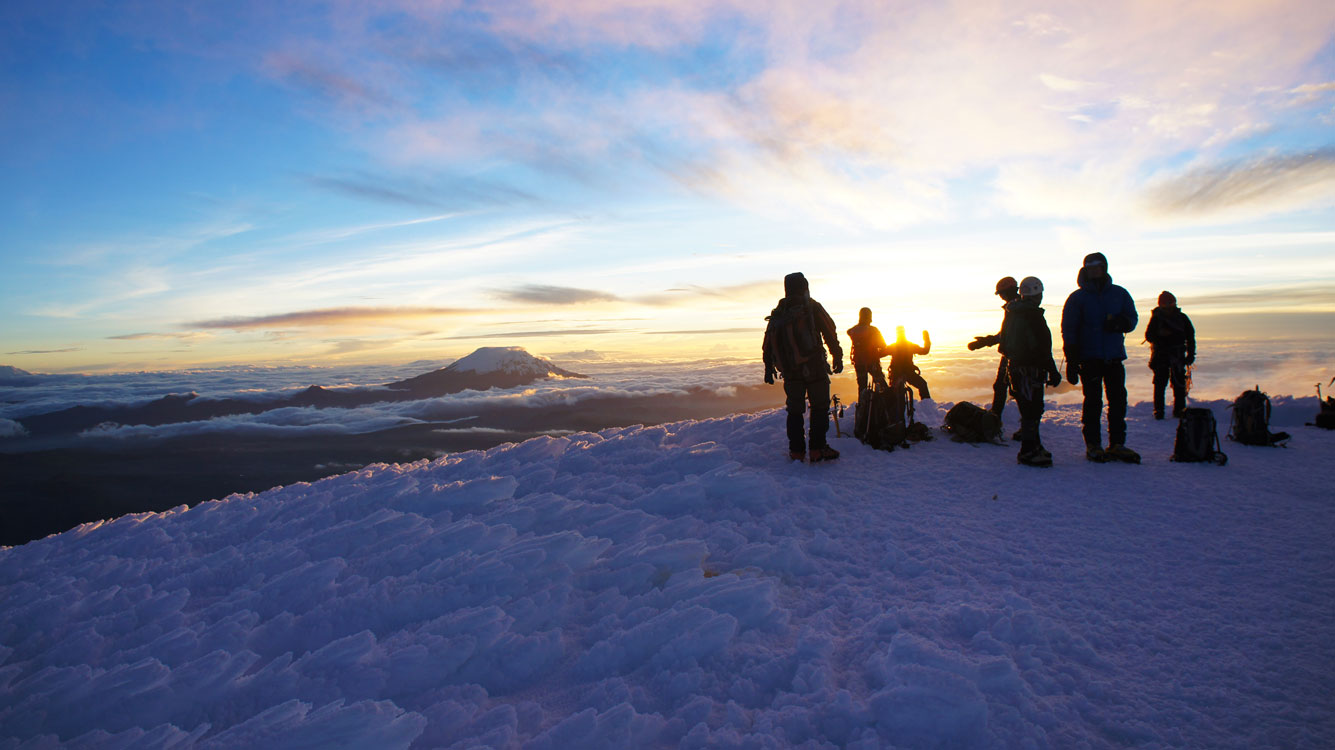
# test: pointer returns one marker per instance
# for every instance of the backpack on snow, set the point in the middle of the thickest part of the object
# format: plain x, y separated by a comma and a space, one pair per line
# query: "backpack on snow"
1198, 438
877, 422
968, 422
1251, 420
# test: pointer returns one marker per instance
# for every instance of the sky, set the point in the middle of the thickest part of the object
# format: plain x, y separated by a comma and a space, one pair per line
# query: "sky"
329, 183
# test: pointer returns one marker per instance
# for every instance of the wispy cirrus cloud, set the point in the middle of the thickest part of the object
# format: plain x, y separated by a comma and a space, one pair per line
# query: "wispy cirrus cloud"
152, 335
48, 351
553, 295
538, 334
1250, 186
448, 192
337, 316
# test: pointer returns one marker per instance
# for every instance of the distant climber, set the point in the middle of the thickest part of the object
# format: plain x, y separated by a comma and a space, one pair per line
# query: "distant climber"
1095, 320
902, 369
793, 349
1026, 347
868, 348
1007, 290
1172, 340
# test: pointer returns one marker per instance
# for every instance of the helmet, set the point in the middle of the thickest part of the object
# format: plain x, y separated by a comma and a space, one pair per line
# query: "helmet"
1031, 287
1007, 282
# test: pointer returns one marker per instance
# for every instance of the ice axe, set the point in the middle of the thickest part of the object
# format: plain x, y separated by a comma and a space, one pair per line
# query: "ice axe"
836, 411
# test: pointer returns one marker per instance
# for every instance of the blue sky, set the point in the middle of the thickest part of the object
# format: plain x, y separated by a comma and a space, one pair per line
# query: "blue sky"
327, 182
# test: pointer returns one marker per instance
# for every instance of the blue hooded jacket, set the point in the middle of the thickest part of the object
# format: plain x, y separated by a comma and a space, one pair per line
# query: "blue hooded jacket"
1084, 336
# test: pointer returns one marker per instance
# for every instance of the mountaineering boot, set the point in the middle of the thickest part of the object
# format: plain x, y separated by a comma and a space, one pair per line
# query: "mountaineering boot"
1016, 435
1119, 452
1097, 454
1159, 415
1046, 453
823, 454
1034, 457
796, 455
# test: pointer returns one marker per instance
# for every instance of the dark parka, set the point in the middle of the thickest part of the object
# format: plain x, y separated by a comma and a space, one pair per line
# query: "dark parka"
1171, 336
1026, 339
1095, 319
868, 344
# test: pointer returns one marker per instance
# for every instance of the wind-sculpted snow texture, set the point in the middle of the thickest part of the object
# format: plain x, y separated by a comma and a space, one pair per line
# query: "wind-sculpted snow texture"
685, 586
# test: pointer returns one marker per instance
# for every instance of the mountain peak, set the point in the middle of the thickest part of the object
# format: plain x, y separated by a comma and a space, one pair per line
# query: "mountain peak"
510, 360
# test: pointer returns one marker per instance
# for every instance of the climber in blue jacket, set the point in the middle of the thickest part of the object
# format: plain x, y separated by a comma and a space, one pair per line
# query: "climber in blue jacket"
1095, 320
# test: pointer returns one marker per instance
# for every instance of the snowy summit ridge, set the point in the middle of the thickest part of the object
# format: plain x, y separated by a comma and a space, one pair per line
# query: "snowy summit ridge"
686, 586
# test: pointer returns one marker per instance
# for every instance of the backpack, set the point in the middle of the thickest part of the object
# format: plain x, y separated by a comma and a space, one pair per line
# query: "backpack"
1251, 420
1197, 438
877, 422
968, 422
796, 342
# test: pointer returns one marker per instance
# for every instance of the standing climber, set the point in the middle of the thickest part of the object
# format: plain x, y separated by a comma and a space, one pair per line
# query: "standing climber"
1172, 340
793, 349
1008, 290
1095, 320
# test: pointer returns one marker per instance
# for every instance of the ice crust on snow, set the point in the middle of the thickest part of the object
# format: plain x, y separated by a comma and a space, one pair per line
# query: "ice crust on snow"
686, 586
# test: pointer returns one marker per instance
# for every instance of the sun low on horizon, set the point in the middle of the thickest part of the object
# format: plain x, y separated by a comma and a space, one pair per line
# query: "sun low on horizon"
257, 183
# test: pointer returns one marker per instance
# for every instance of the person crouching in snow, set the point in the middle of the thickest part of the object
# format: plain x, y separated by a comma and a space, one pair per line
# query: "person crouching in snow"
902, 369
1026, 343
793, 348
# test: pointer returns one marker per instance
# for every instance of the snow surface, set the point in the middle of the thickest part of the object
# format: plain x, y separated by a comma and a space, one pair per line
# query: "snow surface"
686, 586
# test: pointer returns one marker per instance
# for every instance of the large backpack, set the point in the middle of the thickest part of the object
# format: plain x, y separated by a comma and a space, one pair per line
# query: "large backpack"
968, 422
1251, 420
879, 419
1198, 437
796, 342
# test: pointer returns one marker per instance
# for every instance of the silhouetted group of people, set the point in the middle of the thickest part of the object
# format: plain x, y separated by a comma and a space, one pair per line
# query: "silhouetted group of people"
1095, 320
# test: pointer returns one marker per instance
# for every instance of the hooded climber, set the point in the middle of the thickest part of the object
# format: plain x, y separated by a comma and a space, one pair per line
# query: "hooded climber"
1008, 289
901, 354
868, 345
1095, 320
1026, 347
793, 348
1172, 350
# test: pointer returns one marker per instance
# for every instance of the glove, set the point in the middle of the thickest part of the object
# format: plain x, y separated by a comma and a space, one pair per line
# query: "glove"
769, 375
838, 366
1054, 379
1072, 373
1191, 360
1116, 324
977, 343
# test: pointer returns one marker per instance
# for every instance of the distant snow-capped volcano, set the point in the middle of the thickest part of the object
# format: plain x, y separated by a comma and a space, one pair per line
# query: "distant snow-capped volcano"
511, 360
488, 367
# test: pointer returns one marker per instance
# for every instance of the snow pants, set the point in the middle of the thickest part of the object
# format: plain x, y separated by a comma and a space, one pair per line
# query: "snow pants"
1026, 385
872, 369
1164, 374
914, 379
800, 394
1098, 376
1000, 387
